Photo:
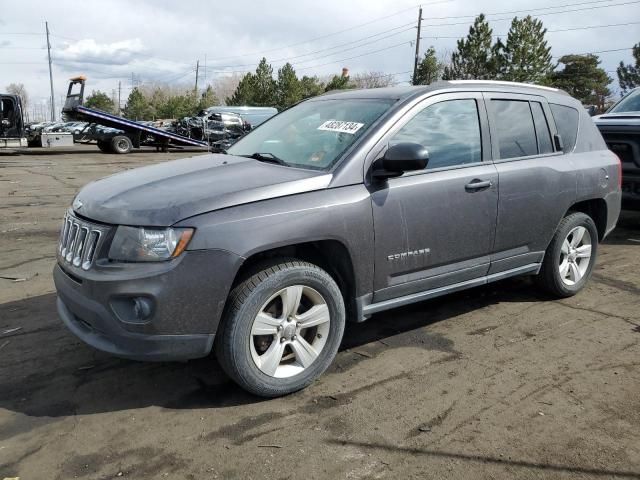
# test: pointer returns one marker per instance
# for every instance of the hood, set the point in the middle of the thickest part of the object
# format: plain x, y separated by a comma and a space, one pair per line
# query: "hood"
622, 118
163, 194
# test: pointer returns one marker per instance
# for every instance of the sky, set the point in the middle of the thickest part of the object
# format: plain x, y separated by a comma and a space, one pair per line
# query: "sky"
147, 41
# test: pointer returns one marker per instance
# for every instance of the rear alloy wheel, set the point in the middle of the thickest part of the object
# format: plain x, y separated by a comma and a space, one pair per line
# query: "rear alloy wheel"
121, 144
575, 256
570, 257
281, 329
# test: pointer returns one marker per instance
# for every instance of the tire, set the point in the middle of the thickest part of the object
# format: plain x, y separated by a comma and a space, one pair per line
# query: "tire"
251, 359
104, 146
564, 263
121, 144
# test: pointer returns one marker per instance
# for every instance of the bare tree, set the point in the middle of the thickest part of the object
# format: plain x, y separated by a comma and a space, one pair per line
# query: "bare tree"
372, 80
224, 87
21, 91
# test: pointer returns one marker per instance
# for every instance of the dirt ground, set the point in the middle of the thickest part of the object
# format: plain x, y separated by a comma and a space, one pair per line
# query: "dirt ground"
495, 382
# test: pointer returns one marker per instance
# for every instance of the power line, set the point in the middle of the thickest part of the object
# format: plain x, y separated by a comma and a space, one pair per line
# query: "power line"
550, 31
386, 17
447, 24
318, 51
530, 10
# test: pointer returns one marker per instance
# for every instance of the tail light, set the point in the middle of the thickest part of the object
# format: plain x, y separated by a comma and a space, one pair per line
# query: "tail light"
619, 172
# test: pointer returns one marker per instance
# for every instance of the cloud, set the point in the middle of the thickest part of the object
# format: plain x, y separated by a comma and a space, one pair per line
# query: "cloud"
88, 51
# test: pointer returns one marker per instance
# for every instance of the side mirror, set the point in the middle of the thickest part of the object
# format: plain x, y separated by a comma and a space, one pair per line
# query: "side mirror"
400, 158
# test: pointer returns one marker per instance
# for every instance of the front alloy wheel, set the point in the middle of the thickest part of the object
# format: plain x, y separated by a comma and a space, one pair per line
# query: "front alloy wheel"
290, 331
282, 328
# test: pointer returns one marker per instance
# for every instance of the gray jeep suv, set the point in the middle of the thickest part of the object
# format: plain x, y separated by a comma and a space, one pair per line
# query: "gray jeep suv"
344, 205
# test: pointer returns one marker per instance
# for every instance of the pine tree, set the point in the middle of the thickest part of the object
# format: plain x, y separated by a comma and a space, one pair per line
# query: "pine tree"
289, 89
265, 94
526, 56
100, 101
583, 79
310, 86
629, 75
137, 107
475, 57
430, 69
208, 99
338, 82
257, 90
244, 91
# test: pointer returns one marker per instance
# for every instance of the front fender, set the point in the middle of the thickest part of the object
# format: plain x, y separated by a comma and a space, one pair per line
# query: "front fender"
342, 214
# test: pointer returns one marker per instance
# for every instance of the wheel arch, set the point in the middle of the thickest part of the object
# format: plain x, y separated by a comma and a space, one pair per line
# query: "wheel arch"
331, 255
596, 208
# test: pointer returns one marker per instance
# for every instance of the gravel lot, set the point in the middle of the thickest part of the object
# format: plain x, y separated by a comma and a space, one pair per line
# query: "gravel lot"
495, 382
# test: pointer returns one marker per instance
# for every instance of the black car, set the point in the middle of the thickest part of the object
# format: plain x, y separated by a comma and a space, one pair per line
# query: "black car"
620, 127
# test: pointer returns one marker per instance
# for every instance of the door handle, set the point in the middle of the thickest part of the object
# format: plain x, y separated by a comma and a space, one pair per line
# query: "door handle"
477, 184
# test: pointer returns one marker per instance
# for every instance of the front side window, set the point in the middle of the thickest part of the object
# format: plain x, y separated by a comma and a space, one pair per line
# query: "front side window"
515, 129
450, 131
313, 134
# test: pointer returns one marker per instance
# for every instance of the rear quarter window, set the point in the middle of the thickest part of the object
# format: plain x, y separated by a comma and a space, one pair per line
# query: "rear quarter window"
566, 119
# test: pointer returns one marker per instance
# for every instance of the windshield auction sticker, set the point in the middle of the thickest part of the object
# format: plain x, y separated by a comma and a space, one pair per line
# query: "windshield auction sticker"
340, 126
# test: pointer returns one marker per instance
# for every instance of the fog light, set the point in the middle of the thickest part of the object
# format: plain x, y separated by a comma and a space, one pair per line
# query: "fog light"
141, 308
132, 309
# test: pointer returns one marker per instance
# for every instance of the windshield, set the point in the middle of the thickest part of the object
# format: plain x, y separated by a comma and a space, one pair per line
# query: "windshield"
630, 103
313, 134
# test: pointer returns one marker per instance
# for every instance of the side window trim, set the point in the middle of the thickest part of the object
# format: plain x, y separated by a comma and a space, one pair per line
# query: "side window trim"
485, 141
495, 146
539, 134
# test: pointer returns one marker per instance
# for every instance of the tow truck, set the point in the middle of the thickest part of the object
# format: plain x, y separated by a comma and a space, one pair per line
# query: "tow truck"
123, 135
11, 122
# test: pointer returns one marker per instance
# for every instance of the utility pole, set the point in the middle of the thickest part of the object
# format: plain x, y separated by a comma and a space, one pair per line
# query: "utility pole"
119, 95
197, 71
417, 58
53, 105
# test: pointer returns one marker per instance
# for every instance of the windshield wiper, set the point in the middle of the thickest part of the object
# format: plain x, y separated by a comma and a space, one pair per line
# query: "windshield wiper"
267, 158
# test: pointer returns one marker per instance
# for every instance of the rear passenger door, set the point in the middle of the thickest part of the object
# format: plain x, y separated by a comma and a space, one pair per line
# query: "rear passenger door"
537, 183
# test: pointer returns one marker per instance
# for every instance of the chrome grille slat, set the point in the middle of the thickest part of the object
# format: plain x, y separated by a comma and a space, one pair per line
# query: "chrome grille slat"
80, 245
79, 241
75, 229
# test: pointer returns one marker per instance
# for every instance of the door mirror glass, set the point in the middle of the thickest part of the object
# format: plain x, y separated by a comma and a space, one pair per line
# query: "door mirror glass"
400, 158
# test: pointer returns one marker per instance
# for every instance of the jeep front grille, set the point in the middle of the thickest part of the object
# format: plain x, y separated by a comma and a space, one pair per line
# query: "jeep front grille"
80, 241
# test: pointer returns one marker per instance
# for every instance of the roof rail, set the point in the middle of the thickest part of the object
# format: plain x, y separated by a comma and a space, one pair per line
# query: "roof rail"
502, 82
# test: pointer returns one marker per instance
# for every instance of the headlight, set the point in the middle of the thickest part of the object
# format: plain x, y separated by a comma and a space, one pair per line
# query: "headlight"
132, 244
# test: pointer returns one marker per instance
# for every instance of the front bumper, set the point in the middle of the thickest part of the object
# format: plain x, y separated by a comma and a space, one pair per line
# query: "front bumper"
631, 190
187, 297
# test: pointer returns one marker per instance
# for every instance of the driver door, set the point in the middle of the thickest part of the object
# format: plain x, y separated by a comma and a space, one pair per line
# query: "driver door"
436, 227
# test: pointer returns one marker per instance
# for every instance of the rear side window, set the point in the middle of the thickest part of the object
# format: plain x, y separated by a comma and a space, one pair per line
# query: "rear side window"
567, 124
542, 128
450, 131
516, 132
